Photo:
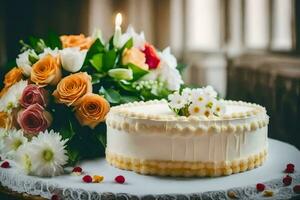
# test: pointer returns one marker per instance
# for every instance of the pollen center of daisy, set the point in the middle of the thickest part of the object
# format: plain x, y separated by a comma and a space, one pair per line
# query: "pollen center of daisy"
48, 155
200, 99
196, 109
17, 144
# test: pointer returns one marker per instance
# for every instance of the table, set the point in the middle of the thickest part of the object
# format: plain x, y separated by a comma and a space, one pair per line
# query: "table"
137, 186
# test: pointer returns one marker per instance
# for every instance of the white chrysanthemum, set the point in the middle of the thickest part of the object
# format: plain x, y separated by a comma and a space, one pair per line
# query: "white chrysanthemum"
24, 63
11, 98
3, 134
219, 108
209, 90
166, 71
48, 154
177, 101
49, 51
196, 109
23, 157
12, 142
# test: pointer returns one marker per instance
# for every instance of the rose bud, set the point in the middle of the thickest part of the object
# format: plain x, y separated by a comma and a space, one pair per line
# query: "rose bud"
34, 119
72, 59
33, 94
152, 58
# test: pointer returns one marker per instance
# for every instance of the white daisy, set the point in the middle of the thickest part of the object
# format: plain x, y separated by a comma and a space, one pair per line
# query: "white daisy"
49, 51
209, 90
187, 94
48, 154
24, 63
207, 112
219, 108
11, 98
195, 109
177, 101
12, 142
198, 96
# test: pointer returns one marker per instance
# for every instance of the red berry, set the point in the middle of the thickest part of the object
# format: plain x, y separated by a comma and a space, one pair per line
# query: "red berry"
55, 197
296, 189
260, 187
5, 164
290, 168
87, 179
120, 179
77, 169
287, 180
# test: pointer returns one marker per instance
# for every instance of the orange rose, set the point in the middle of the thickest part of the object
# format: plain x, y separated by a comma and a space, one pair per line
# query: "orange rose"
134, 56
71, 88
13, 76
3, 91
5, 120
91, 110
76, 41
46, 71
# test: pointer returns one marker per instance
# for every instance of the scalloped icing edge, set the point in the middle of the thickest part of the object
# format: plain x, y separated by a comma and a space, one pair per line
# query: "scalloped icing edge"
258, 123
187, 169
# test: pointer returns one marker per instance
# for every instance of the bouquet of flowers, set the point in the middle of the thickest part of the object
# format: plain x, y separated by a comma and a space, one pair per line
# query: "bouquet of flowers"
55, 99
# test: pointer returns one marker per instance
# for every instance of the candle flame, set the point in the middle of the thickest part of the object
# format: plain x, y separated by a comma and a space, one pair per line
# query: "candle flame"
118, 20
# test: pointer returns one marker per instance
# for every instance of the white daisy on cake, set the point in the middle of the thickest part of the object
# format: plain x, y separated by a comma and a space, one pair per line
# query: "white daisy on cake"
24, 63
187, 94
195, 109
23, 158
209, 90
11, 98
12, 141
176, 101
219, 108
47, 154
198, 96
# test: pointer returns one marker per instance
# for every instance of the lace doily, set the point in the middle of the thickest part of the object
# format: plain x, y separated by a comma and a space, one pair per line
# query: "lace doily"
71, 187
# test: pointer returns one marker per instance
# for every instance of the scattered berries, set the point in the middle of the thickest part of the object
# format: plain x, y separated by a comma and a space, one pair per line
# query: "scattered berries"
87, 179
77, 170
290, 168
120, 179
55, 197
5, 164
287, 180
296, 189
260, 187
98, 179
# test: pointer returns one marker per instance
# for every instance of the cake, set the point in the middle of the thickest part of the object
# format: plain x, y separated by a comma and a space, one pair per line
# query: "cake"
149, 138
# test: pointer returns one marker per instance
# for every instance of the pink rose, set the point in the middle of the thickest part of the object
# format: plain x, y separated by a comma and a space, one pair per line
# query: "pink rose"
33, 94
34, 119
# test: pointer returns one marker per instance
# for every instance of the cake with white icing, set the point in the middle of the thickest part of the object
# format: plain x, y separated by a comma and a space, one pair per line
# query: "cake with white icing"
150, 138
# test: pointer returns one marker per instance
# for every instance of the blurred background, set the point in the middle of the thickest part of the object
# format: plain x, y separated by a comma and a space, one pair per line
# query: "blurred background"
246, 49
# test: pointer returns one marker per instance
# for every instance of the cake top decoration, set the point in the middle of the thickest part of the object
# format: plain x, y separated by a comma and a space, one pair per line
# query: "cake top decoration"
202, 102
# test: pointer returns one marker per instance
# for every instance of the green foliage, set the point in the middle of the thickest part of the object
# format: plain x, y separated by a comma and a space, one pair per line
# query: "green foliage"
137, 71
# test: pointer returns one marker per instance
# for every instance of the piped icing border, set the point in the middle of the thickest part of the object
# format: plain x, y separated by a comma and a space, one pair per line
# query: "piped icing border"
188, 169
121, 118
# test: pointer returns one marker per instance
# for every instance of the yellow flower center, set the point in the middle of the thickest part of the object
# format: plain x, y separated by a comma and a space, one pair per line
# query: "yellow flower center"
16, 144
200, 99
48, 155
196, 110
206, 113
27, 163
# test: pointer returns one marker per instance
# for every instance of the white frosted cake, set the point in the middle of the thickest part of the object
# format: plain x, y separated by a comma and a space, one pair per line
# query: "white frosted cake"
149, 138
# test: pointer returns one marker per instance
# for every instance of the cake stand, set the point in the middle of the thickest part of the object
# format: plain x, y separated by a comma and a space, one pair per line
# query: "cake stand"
241, 186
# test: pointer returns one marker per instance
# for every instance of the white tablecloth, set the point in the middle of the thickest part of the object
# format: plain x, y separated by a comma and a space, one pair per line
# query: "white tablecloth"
140, 186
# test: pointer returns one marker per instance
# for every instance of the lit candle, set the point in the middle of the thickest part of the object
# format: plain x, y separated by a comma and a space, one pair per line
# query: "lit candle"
118, 31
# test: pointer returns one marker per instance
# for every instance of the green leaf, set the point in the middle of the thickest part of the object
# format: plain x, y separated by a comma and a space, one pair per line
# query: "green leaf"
128, 44
126, 85
109, 60
67, 131
181, 67
32, 57
111, 95
96, 61
137, 71
96, 77
97, 47
127, 99
53, 40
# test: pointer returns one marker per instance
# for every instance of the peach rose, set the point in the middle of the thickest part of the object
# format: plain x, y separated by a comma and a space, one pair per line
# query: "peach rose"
71, 88
3, 91
13, 76
134, 56
5, 120
76, 41
91, 110
46, 71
